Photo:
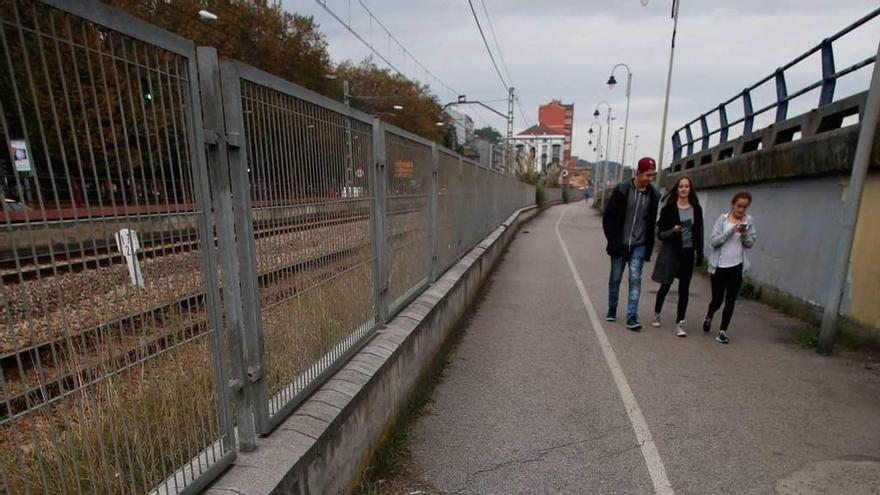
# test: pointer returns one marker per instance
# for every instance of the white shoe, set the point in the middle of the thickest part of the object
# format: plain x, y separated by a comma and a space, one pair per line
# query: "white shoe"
679, 329
656, 322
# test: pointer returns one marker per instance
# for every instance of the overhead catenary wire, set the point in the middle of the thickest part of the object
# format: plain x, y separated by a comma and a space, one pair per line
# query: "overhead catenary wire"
497, 45
403, 48
522, 112
372, 48
488, 50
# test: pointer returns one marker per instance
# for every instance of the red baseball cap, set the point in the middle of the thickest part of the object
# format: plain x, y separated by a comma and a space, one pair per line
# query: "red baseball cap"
645, 164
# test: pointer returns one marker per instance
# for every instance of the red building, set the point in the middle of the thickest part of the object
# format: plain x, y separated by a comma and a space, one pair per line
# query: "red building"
559, 117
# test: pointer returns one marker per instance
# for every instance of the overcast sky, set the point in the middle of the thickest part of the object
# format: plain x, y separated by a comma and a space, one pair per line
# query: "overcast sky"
565, 49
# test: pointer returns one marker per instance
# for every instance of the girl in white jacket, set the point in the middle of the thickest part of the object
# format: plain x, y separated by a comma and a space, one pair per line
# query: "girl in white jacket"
733, 233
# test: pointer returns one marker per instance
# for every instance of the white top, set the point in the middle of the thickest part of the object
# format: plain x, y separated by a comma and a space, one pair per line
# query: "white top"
732, 249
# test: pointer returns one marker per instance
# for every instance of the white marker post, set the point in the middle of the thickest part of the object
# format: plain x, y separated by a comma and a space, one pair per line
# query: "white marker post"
128, 244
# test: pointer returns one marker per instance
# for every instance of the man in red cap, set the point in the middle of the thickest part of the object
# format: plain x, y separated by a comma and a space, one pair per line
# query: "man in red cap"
628, 222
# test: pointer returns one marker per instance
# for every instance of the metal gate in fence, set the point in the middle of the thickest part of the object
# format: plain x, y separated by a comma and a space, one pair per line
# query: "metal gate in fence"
190, 246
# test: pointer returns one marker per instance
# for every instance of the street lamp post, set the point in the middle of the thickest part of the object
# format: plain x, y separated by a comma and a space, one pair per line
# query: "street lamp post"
636, 149
611, 83
595, 173
675, 5
607, 138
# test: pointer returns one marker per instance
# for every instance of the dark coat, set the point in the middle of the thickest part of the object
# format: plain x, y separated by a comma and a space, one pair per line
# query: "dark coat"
667, 266
615, 215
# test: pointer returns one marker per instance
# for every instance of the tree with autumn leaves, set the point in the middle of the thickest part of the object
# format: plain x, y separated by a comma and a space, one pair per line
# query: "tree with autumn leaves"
396, 100
291, 46
103, 113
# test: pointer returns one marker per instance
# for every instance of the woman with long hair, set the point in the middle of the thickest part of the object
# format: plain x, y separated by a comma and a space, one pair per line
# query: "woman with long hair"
734, 232
681, 229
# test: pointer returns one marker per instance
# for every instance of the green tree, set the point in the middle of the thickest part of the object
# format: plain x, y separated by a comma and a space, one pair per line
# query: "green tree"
488, 132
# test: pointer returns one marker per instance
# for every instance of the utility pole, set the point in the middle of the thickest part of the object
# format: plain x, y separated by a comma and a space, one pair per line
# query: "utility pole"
675, 4
851, 211
349, 158
510, 97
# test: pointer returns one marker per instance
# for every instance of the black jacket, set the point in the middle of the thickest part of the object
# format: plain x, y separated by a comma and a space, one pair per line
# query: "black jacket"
615, 216
666, 268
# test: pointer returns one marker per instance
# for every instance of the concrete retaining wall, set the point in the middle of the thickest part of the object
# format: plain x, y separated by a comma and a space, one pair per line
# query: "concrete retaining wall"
798, 223
325, 445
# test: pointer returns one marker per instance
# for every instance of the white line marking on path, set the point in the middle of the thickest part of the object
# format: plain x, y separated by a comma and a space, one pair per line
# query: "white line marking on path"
640, 426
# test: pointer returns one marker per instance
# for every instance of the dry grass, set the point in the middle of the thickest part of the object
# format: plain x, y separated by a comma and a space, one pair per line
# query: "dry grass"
302, 329
130, 430
125, 434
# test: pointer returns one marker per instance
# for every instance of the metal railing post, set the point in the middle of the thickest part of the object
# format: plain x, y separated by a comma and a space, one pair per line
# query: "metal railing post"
748, 112
828, 80
704, 128
781, 96
690, 138
221, 197
378, 185
676, 146
722, 119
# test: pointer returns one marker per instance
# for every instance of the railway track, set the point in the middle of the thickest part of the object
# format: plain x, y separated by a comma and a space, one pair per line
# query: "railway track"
26, 390
81, 258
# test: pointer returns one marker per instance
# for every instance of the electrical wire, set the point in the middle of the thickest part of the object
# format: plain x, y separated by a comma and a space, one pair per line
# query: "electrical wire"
488, 50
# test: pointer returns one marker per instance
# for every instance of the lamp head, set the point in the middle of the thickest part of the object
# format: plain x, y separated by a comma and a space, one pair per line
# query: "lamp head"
611, 82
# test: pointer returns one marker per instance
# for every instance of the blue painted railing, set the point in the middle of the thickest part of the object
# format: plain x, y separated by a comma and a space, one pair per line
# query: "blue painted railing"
827, 83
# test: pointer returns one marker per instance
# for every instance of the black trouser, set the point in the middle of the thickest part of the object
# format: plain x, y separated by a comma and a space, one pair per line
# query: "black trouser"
685, 272
726, 283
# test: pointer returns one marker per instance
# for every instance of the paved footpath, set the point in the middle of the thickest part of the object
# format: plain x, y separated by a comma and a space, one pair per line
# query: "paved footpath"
540, 396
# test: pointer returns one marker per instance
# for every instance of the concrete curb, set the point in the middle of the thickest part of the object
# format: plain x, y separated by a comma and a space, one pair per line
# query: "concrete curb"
324, 446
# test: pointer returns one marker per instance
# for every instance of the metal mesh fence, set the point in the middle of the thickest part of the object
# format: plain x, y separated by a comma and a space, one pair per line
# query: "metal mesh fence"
408, 178
108, 351
449, 209
311, 212
142, 249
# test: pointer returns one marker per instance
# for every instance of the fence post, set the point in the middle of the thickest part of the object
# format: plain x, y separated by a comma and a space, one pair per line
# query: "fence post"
748, 112
215, 138
722, 118
690, 138
704, 128
676, 146
435, 191
781, 96
828, 81
459, 211
252, 328
378, 185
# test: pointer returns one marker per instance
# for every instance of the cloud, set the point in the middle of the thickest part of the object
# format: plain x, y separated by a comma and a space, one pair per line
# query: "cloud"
565, 49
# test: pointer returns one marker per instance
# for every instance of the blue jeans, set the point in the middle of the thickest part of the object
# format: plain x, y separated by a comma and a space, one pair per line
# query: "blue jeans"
636, 261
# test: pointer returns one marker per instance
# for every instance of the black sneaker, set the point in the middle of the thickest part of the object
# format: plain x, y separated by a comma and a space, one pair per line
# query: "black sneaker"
611, 315
633, 324
722, 338
707, 325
